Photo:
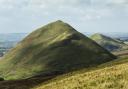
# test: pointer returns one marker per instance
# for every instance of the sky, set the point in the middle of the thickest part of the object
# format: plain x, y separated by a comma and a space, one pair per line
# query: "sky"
24, 16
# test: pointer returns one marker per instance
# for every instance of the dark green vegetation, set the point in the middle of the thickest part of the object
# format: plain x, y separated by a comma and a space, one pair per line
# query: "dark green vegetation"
51, 50
109, 43
1, 79
110, 75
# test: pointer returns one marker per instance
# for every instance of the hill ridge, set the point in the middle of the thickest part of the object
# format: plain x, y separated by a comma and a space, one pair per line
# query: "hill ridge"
109, 43
53, 47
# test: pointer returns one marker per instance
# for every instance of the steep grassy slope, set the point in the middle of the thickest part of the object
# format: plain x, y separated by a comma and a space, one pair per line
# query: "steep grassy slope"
109, 43
112, 75
54, 48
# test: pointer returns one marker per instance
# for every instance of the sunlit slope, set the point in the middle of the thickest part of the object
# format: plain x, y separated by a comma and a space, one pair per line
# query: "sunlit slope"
54, 47
108, 76
108, 42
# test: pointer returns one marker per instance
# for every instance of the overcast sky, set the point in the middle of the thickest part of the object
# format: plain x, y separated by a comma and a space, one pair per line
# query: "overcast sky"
84, 15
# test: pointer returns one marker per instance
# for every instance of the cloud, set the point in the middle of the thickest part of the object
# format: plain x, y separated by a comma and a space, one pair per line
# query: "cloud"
121, 2
40, 11
62, 6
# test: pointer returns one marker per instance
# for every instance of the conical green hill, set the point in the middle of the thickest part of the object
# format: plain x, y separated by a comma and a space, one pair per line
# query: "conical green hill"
54, 47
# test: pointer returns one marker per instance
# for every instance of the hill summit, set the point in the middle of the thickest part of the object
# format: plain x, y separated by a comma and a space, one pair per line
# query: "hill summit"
108, 42
52, 48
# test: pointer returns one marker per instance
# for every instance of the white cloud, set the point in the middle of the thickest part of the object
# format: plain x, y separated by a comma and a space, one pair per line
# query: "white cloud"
118, 1
61, 6
75, 10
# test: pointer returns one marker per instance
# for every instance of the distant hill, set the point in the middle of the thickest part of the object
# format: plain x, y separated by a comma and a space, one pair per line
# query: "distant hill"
116, 35
54, 48
9, 40
108, 42
4, 37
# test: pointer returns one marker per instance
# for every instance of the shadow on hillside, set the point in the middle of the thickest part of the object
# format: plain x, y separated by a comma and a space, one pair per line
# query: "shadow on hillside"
33, 81
23, 84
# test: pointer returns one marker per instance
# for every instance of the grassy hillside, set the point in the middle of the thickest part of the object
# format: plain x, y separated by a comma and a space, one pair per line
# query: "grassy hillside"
109, 43
53, 49
111, 75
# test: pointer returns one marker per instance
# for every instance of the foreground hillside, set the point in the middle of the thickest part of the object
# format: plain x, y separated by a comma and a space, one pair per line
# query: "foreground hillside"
109, 43
113, 75
56, 48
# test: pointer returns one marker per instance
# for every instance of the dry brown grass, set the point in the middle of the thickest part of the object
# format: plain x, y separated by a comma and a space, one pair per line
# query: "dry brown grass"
114, 77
